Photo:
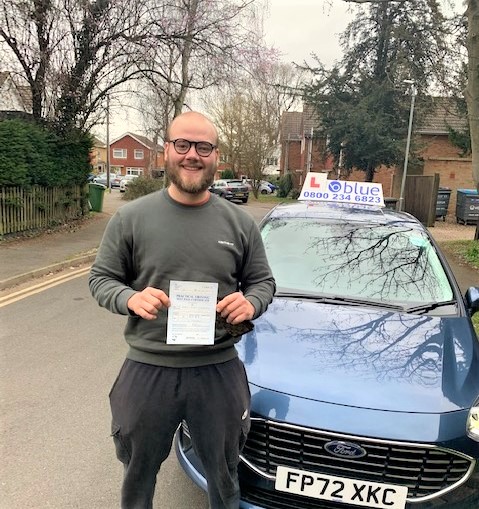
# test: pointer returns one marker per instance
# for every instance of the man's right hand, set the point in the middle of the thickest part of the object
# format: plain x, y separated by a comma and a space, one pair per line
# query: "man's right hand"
147, 302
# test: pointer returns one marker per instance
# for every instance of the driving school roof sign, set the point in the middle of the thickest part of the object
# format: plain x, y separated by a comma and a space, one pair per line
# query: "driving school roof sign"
317, 187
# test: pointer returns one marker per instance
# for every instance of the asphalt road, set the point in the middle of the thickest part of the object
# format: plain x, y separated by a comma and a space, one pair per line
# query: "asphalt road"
60, 356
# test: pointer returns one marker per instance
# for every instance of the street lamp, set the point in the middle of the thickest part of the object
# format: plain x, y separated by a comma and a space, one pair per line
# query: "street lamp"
408, 142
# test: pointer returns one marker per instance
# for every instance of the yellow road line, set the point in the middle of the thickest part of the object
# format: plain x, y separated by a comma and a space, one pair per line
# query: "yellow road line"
45, 285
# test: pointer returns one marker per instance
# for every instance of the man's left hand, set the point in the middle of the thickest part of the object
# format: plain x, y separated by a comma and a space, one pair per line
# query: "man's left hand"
235, 308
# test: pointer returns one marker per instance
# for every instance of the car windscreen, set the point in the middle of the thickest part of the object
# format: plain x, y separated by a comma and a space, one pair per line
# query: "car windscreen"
393, 263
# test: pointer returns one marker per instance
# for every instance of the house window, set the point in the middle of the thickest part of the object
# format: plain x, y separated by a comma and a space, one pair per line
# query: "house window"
139, 154
134, 171
272, 161
119, 153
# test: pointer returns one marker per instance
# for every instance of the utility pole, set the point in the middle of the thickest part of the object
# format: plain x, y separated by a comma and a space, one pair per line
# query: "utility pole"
408, 143
108, 143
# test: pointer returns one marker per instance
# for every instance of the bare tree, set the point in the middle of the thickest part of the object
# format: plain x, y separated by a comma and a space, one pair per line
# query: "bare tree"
70, 53
196, 44
248, 114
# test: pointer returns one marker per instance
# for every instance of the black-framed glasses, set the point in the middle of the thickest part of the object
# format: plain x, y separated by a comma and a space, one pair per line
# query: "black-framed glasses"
203, 148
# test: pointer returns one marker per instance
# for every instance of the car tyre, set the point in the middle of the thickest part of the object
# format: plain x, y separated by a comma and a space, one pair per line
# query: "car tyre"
244, 200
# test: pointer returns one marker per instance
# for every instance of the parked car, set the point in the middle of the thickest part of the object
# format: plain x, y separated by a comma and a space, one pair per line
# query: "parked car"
231, 189
115, 181
264, 186
102, 179
125, 181
364, 371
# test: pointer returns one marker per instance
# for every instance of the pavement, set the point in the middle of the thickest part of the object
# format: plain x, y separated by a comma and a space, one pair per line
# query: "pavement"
71, 246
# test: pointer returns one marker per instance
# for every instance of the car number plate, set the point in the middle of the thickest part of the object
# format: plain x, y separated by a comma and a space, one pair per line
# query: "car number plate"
340, 489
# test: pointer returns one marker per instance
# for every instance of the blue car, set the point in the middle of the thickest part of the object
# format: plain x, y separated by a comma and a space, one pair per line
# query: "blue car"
364, 371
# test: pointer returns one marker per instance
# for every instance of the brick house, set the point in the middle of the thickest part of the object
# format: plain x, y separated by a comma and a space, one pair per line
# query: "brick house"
98, 155
300, 153
132, 154
440, 155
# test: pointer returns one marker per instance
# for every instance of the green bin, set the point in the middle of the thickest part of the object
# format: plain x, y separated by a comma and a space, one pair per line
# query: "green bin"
95, 196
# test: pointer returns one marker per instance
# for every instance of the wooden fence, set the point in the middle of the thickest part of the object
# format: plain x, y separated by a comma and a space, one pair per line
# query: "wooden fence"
40, 207
420, 197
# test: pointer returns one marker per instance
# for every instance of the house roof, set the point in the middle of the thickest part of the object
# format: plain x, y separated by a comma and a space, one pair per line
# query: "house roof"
291, 122
98, 143
296, 124
441, 116
140, 139
24, 92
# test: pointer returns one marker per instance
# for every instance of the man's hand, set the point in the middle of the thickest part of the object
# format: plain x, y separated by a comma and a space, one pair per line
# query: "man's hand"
147, 303
235, 308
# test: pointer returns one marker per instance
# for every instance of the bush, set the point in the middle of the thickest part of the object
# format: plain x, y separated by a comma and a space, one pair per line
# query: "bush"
295, 192
285, 185
227, 174
141, 187
35, 154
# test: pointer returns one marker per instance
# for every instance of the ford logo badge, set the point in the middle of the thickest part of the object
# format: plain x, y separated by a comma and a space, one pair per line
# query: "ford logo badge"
345, 449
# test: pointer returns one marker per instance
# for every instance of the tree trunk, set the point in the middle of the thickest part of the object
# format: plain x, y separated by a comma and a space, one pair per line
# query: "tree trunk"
186, 56
472, 89
369, 174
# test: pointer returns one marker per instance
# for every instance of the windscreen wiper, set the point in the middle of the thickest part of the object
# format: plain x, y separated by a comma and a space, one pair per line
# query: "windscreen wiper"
321, 299
423, 308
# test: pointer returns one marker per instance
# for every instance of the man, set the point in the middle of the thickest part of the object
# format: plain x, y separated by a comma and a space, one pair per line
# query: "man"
182, 233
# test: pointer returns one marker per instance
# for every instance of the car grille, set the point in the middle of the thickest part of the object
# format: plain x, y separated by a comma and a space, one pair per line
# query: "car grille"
425, 470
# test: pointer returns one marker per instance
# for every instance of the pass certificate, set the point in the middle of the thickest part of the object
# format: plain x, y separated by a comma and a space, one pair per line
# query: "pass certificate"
192, 314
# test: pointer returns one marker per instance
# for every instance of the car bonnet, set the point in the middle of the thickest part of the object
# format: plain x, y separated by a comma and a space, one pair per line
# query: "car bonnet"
363, 357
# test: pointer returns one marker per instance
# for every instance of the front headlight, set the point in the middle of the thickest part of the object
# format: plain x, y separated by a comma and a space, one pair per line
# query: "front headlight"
472, 426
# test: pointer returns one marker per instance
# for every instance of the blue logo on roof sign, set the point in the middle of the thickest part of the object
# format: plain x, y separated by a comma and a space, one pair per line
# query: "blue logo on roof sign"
335, 186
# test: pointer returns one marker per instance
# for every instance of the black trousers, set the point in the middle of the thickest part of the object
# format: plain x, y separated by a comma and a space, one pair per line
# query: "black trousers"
149, 402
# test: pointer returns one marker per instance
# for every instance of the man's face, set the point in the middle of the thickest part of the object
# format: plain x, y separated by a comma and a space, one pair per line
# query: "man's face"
190, 172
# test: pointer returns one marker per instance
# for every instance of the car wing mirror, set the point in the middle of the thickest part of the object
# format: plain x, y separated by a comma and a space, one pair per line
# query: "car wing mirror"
472, 299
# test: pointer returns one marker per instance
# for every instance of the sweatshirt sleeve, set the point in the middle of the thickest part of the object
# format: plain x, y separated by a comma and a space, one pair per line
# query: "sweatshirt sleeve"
112, 269
258, 284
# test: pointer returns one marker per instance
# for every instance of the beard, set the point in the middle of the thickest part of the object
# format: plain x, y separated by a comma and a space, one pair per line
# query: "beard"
192, 187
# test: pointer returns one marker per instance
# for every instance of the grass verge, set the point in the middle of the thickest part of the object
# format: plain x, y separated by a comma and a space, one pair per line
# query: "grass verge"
270, 198
467, 251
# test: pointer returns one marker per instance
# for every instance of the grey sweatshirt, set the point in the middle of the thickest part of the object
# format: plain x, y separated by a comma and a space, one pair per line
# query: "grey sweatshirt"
153, 240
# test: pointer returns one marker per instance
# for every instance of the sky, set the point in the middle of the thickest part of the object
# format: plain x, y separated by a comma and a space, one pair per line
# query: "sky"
296, 28
309, 26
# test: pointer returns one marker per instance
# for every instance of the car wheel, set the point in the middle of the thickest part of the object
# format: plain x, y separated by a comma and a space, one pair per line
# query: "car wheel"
244, 200
263, 191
